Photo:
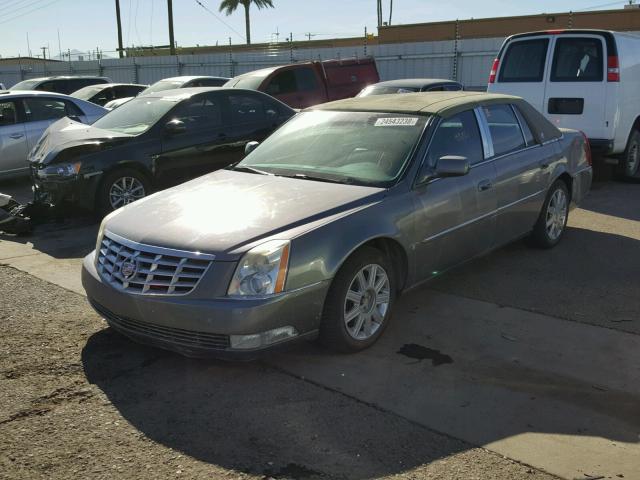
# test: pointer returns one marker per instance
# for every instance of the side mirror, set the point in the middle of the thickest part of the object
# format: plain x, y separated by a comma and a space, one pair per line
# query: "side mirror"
175, 126
250, 147
452, 166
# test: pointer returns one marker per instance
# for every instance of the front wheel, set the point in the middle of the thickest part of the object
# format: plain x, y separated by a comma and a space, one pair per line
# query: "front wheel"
552, 221
629, 166
120, 188
359, 302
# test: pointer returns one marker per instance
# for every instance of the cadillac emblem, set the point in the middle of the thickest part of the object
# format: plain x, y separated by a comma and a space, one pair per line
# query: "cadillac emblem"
129, 268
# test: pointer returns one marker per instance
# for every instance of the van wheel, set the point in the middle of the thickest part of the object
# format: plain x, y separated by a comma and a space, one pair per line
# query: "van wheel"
120, 188
630, 160
552, 221
358, 306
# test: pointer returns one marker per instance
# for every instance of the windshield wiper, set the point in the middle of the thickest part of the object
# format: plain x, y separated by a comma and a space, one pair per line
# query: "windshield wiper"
245, 168
304, 176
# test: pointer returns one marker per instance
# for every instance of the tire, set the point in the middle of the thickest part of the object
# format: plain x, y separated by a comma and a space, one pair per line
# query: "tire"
344, 298
131, 180
629, 166
552, 221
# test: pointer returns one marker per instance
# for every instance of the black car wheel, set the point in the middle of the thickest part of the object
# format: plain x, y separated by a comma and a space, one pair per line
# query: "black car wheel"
629, 166
358, 306
120, 188
552, 221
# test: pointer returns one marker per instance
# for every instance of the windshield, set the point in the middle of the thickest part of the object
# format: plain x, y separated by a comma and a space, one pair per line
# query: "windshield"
26, 85
352, 147
250, 82
162, 85
382, 90
137, 115
87, 92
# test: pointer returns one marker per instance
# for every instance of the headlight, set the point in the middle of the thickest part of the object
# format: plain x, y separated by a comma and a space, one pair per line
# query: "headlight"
262, 270
63, 170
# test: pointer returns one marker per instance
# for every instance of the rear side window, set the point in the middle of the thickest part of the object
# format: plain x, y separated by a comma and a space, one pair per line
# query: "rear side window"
577, 60
505, 130
306, 79
458, 135
524, 61
526, 130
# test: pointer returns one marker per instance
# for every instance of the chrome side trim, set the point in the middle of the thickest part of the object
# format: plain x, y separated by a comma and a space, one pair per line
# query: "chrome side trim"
482, 217
485, 133
159, 250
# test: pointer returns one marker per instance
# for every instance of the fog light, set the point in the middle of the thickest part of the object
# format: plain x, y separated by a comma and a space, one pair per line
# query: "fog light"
263, 339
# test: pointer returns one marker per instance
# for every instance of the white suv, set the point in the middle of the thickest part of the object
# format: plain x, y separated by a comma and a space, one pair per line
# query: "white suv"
587, 80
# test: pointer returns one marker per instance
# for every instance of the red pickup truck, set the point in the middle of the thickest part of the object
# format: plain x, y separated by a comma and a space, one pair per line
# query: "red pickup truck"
302, 85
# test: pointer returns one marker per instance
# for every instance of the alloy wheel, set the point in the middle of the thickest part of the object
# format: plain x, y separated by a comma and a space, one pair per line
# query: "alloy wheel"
367, 302
125, 190
556, 214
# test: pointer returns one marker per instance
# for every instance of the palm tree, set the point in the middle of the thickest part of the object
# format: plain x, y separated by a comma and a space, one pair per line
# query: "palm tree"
230, 6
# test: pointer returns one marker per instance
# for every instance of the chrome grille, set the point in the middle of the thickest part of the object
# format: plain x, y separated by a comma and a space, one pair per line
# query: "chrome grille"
148, 270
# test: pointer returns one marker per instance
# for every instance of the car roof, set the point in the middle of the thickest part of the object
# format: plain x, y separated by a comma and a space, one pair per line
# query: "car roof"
62, 77
413, 82
186, 78
444, 104
30, 93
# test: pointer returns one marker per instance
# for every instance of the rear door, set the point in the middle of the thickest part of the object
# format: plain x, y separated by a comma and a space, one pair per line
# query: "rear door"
13, 141
575, 96
522, 69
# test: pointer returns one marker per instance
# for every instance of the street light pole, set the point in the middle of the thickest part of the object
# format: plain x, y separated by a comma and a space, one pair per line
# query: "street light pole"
172, 45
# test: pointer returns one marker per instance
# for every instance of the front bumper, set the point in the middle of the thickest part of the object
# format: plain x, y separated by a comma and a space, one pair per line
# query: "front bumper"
79, 190
197, 327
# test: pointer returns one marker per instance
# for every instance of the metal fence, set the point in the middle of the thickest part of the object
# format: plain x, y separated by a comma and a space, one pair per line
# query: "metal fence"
467, 61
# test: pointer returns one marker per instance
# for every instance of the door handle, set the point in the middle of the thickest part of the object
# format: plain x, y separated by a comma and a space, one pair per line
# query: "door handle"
484, 185
15, 136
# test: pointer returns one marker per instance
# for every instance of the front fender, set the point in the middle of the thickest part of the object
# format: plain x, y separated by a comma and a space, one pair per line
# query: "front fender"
318, 254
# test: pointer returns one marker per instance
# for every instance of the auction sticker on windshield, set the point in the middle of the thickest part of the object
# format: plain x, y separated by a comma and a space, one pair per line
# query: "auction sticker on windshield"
396, 122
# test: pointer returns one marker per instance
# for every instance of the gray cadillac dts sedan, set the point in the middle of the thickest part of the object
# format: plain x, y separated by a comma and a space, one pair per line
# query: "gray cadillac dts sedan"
320, 227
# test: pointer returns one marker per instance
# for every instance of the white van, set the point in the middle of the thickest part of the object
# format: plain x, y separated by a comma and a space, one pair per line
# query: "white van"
587, 80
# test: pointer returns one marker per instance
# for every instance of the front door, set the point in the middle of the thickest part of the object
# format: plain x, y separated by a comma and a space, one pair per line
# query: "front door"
200, 147
455, 217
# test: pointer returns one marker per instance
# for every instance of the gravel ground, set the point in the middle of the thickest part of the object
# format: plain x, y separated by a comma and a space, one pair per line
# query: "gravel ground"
79, 401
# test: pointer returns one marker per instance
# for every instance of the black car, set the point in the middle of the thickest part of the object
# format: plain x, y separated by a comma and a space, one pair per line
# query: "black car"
60, 84
151, 142
411, 85
102, 93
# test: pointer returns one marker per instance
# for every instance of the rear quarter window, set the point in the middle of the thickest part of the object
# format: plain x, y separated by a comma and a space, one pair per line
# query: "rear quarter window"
524, 61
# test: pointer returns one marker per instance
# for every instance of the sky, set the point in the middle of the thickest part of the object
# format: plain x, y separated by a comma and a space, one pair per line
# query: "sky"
89, 24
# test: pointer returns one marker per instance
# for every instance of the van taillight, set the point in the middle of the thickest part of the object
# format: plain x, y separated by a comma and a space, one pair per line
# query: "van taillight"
494, 70
587, 149
613, 69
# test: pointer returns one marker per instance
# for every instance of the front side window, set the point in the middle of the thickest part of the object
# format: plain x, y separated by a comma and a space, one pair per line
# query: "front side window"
505, 130
459, 136
283, 82
137, 115
524, 61
8, 114
200, 112
364, 148
47, 109
577, 60
306, 79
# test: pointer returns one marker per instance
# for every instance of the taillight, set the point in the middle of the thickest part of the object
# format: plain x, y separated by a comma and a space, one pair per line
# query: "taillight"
494, 70
554, 32
613, 69
587, 149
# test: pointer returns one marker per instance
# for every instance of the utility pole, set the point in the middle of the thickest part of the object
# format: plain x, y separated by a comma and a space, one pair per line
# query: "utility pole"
118, 21
172, 44
59, 47
28, 46
44, 52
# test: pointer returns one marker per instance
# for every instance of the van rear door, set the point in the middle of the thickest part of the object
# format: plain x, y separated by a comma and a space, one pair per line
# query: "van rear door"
576, 91
522, 68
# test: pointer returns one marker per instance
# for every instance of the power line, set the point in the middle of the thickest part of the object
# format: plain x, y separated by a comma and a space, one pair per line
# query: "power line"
28, 12
9, 13
595, 7
221, 21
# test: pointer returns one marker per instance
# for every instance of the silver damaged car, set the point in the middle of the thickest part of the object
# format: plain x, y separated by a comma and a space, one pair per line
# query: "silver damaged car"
316, 232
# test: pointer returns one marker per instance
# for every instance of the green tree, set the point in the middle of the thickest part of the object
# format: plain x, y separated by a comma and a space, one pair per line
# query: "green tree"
230, 6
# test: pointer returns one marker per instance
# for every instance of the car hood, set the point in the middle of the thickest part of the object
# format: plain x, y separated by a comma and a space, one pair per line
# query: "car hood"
75, 138
227, 212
